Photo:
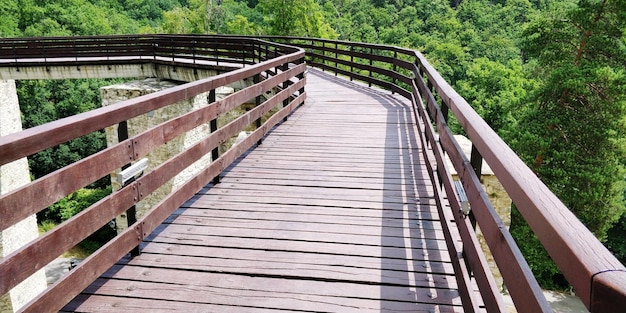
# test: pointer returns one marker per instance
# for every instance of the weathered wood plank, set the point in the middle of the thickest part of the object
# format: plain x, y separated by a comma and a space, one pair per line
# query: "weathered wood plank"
297, 265
276, 292
310, 246
303, 225
376, 262
116, 304
261, 171
272, 199
315, 215
209, 235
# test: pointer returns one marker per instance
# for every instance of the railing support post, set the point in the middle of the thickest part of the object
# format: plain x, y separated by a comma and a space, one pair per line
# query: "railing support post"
477, 161
172, 47
285, 85
243, 57
301, 76
395, 69
445, 112
215, 153
336, 57
193, 50
351, 63
324, 54
131, 213
257, 102
369, 84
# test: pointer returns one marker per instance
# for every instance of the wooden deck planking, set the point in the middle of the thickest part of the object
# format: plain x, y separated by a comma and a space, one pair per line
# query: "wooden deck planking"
334, 212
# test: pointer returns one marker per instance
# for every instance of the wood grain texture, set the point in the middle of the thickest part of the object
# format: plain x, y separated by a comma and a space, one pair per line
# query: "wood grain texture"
334, 212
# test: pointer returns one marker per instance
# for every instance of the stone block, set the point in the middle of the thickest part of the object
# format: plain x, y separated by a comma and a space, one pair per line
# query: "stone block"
116, 93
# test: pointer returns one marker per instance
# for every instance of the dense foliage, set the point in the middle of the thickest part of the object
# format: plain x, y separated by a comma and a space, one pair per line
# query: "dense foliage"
548, 75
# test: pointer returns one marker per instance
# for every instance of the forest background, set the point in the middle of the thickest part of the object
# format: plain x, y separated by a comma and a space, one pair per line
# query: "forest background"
547, 75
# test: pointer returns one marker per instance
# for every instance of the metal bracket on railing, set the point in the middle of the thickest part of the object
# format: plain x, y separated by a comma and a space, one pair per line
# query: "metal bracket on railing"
126, 177
460, 191
132, 171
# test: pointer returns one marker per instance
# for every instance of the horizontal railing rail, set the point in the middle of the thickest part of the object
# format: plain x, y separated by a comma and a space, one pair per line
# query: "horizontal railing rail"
104, 50
286, 64
597, 277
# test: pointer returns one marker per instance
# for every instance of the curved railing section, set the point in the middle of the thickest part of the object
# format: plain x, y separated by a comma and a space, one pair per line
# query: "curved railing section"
272, 67
597, 277
120, 49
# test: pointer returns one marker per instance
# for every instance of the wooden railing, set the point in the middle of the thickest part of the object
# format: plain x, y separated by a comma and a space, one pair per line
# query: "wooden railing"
153, 49
598, 278
282, 68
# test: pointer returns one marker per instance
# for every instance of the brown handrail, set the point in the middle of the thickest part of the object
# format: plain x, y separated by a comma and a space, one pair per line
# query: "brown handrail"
598, 278
21, 203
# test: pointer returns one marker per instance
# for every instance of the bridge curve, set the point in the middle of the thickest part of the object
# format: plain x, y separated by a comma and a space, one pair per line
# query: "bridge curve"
598, 278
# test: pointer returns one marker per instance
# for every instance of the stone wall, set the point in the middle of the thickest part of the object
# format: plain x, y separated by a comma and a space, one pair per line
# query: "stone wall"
120, 92
12, 176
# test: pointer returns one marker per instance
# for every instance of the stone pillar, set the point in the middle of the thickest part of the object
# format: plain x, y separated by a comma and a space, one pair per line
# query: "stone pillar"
12, 176
120, 92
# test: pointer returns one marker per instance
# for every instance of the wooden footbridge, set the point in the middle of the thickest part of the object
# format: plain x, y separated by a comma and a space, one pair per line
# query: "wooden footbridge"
340, 200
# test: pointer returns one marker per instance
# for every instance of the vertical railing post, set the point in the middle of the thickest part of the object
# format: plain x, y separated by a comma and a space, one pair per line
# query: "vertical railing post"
301, 76
351, 63
323, 55
395, 69
476, 160
215, 153
193, 50
266, 52
131, 213
257, 102
154, 48
172, 49
336, 58
45, 55
15, 54
369, 83
243, 57
254, 54
430, 87
445, 112
285, 85
313, 50
217, 58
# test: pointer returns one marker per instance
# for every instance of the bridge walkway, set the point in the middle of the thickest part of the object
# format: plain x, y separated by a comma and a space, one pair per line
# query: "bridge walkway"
333, 212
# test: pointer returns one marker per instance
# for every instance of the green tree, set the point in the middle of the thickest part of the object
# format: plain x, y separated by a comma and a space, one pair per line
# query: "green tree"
572, 134
295, 18
149, 12
46, 101
72, 17
210, 17
242, 26
9, 10
495, 89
